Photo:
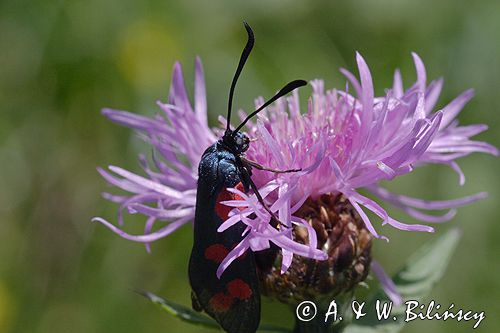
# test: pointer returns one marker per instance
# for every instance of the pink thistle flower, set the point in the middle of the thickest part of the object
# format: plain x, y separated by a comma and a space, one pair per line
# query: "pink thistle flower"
342, 144
180, 134
347, 143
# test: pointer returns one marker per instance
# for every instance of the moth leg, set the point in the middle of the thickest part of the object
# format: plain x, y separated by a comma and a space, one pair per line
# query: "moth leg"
275, 222
246, 173
261, 167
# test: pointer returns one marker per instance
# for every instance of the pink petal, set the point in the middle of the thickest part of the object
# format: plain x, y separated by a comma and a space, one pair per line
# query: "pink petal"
387, 283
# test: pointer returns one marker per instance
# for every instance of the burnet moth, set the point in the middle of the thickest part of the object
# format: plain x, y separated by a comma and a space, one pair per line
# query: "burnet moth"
233, 300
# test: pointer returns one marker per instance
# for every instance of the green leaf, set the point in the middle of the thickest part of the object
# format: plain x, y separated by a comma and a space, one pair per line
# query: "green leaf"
181, 312
196, 318
414, 282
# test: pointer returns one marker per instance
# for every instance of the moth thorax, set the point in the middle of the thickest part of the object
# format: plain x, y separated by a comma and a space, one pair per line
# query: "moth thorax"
342, 234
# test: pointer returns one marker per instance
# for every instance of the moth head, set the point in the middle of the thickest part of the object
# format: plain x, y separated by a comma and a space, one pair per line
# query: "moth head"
238, 142
241, 142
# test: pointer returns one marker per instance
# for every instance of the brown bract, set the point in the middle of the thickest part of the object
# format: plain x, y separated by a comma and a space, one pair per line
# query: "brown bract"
341, 233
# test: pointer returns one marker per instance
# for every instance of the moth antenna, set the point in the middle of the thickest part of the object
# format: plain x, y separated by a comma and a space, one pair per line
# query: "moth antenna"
285, 90
241, 64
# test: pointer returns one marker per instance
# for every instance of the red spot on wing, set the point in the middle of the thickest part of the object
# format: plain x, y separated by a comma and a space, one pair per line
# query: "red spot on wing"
221, 302
216, 253
223, 210
239, 289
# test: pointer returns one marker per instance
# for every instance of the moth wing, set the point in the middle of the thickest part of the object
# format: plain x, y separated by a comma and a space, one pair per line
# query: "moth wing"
234, 299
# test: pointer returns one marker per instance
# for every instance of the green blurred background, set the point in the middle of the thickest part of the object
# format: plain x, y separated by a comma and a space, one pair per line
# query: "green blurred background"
62, 61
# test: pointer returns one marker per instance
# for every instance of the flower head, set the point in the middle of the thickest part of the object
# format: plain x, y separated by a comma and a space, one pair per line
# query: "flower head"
342, 143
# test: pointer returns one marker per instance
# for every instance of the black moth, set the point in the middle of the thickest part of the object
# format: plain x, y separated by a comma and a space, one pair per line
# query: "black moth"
234, 299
